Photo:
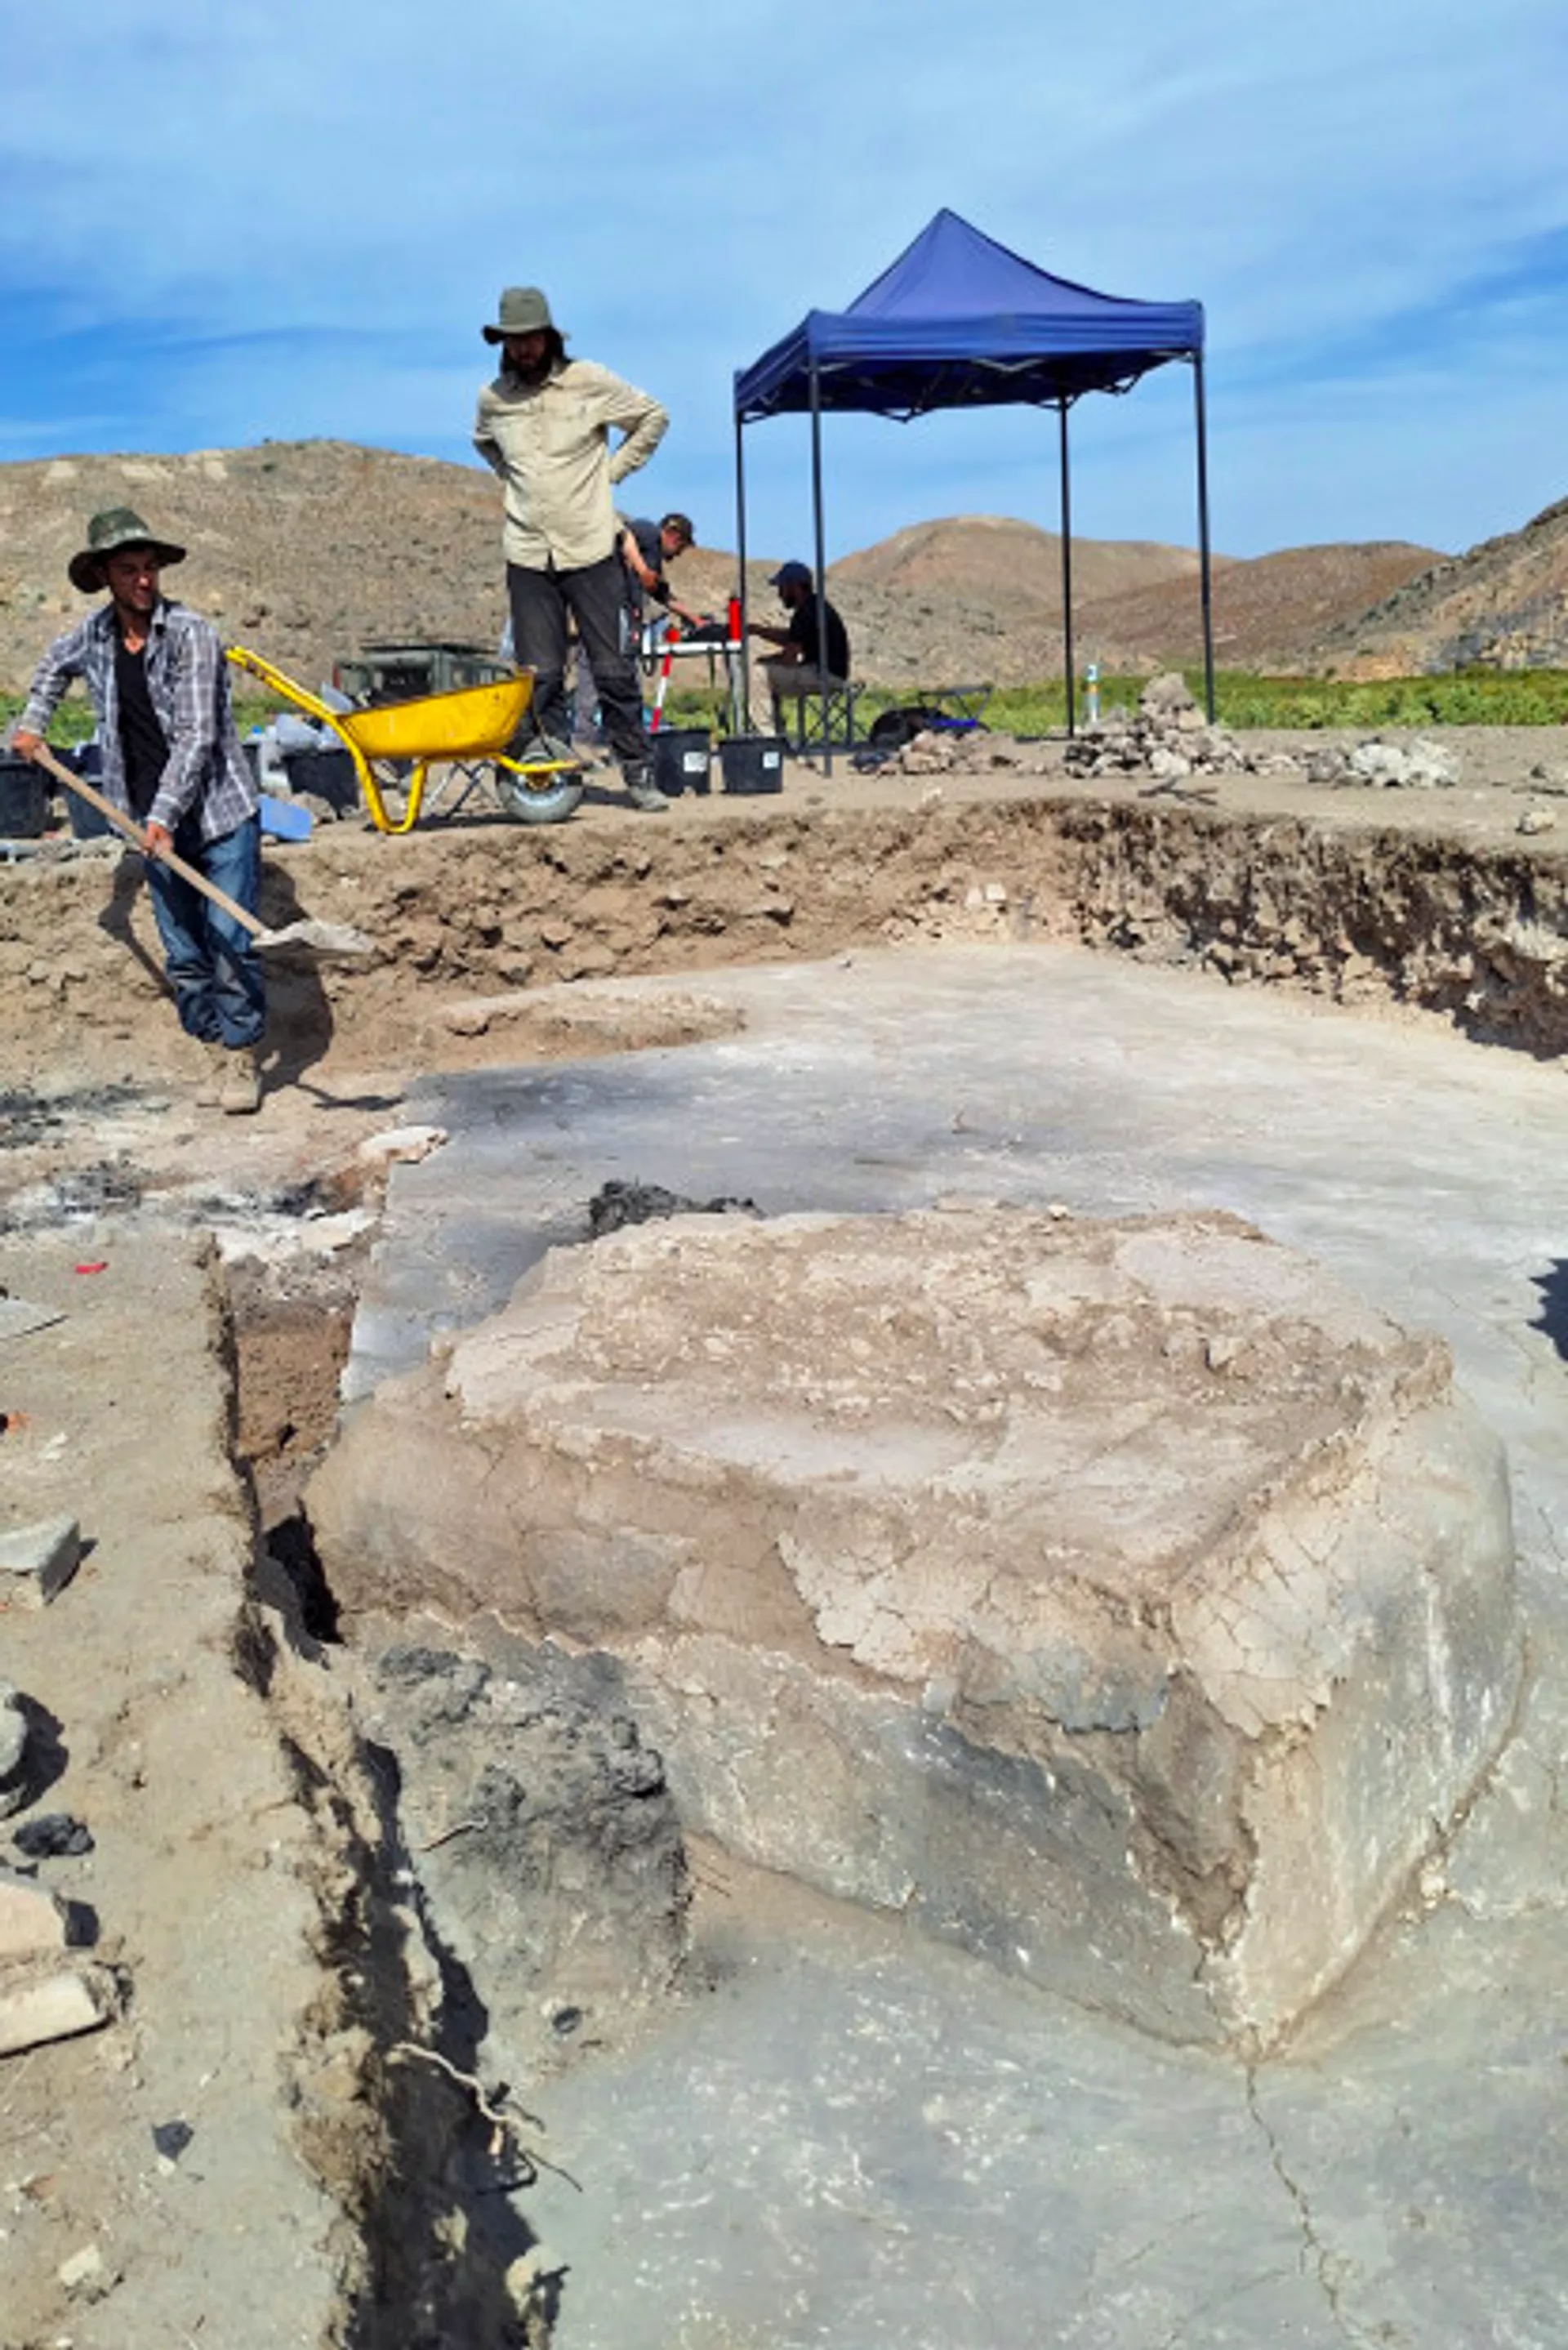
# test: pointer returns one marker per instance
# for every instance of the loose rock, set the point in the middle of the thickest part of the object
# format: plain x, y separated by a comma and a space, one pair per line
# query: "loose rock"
31, 1919
14, 1786
56, 2008
37, 1561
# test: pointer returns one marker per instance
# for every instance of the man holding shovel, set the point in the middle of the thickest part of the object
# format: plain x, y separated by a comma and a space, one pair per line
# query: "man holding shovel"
171, 760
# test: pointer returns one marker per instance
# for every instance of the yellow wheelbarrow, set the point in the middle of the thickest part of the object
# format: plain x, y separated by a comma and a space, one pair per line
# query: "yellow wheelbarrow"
469, 729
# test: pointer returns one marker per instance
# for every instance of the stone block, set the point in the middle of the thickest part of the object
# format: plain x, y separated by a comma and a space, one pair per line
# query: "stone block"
37, 1561
32, 1919
54, 2007
1126, 1600
15, 1786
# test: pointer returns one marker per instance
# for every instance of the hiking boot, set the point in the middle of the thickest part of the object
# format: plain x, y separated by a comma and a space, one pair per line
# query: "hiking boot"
643, 793
210, 1091
242, 1089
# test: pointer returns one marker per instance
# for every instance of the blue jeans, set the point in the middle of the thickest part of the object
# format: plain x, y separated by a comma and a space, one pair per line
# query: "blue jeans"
212, 963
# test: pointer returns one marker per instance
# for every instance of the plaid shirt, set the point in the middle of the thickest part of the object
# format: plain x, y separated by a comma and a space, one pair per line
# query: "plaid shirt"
188, 682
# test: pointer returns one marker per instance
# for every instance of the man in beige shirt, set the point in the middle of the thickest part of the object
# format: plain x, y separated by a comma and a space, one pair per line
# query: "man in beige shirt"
545, 428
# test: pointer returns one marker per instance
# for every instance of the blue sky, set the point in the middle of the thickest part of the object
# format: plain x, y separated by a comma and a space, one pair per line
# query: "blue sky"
228, 220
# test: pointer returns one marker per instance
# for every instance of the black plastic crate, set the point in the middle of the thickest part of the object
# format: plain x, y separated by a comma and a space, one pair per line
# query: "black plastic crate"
330, 775
681, 756
24, 799
752, 762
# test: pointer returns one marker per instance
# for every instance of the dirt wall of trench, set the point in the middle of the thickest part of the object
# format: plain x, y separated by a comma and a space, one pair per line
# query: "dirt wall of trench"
1475, 934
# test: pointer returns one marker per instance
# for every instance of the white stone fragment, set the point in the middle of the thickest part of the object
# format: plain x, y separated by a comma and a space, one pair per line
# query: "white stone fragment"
37, 1561
57, 2007
32, 1919
400, 1145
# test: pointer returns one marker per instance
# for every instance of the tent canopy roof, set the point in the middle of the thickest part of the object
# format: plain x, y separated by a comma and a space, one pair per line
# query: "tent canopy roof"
957, 321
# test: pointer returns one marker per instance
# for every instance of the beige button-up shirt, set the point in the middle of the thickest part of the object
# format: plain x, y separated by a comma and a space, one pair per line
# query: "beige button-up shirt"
550, 445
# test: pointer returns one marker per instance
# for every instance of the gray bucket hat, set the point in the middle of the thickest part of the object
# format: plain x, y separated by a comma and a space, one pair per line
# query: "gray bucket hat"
108, 532
522, 311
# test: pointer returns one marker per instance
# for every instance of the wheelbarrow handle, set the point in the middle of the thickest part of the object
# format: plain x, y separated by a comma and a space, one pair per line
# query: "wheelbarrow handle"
127, 825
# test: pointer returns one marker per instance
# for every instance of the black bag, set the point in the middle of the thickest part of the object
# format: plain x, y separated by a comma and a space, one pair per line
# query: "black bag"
895, 728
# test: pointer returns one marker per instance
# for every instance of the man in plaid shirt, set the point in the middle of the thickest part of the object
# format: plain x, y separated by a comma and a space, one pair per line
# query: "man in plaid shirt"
158, 680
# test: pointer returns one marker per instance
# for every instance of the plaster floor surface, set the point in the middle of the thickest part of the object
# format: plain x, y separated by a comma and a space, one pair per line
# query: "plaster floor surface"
853, 2137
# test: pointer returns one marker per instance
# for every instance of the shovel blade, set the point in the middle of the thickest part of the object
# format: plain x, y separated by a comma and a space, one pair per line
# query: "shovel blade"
333, 942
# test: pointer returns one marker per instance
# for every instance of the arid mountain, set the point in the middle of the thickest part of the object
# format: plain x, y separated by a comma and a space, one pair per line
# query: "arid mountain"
987, 557
980, 597
1505, 604
308, 550
1272, 612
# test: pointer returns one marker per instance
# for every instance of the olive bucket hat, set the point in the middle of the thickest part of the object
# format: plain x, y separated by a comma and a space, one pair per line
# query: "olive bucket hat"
108, 532
522, 310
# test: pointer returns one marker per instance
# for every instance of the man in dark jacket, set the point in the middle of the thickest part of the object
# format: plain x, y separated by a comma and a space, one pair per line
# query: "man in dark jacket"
645, 548
158, 680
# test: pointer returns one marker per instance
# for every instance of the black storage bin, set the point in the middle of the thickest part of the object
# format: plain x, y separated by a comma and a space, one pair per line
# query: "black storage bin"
24, 799
681, 759
752, 762
86, 824
329, 773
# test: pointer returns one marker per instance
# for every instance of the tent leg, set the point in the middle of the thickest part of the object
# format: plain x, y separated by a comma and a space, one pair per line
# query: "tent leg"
1068, 664
1203, 565
820, 561
741, 709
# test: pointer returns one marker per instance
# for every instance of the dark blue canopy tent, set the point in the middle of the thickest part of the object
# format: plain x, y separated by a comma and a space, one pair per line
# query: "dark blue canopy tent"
957, 321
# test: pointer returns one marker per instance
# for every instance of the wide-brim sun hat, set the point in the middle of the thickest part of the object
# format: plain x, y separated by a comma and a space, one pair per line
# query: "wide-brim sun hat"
108, 533
522, 310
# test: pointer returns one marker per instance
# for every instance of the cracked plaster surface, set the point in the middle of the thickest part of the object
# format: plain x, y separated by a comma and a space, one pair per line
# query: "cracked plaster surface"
1210, 1566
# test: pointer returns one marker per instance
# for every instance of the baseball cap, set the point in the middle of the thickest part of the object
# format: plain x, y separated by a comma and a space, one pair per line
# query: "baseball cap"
792, 575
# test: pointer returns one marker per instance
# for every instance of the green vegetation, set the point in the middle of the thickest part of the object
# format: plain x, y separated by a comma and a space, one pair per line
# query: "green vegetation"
73, 720
1477, 697
1536, 697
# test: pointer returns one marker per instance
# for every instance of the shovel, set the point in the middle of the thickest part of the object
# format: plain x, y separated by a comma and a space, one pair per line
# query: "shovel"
332, 939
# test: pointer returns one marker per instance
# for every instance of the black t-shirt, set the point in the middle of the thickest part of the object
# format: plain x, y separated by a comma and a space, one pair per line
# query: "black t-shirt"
802, 632
141, 737
644, 601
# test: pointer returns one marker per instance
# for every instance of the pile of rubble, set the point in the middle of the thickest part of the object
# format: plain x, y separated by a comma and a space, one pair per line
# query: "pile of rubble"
959, 751
1169, 738
1417, 765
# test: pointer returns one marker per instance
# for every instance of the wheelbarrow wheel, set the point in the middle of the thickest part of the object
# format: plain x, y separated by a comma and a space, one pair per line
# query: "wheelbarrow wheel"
540, 799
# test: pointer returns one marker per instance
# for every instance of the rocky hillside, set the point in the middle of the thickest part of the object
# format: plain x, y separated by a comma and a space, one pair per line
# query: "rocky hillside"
301, 549
1505, 604
989, 556
308, 550
1272, 613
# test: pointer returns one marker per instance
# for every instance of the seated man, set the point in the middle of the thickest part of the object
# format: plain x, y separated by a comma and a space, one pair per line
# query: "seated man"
797, 666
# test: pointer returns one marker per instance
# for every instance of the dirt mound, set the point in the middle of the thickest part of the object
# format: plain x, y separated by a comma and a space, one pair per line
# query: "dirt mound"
1503, 605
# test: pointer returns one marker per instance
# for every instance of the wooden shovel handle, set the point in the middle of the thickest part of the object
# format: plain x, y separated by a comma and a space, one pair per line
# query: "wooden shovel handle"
44, 757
